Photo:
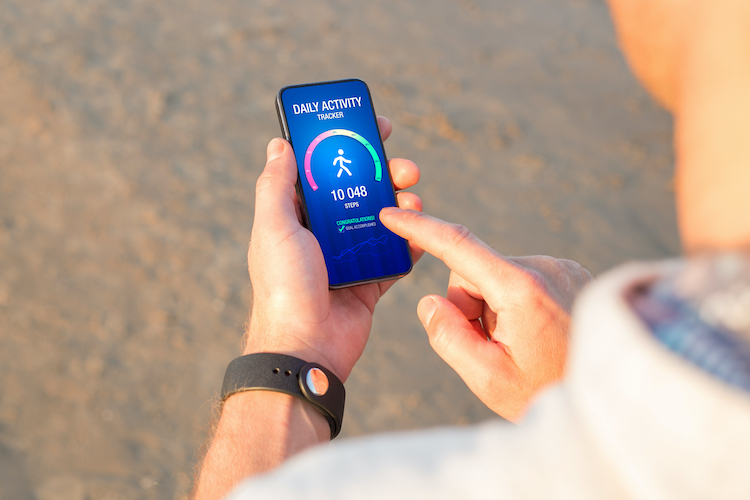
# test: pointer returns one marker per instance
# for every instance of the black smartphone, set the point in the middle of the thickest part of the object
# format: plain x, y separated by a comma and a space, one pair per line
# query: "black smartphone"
343, 180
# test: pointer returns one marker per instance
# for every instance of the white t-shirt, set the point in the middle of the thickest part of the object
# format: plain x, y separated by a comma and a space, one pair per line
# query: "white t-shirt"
630, 420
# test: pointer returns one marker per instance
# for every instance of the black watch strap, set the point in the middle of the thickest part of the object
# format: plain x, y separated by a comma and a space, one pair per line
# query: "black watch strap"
310, 382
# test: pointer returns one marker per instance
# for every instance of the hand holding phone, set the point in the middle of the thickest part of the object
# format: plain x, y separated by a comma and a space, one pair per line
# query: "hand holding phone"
293, 310
343, 180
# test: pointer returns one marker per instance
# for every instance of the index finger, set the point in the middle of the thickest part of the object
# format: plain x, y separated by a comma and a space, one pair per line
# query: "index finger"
458, 247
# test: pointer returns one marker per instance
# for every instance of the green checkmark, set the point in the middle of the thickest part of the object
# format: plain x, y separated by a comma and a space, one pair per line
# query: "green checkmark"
341, 229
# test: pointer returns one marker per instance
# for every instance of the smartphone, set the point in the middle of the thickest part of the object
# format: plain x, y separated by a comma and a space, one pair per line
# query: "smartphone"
343, 180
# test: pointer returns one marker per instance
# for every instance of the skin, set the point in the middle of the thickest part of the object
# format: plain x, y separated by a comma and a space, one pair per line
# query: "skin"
694, 57
503, 325
524, 306
293, 313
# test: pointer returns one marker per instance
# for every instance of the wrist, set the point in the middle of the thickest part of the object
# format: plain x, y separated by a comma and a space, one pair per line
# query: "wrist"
258, 340
311, 383
257, 432
274, 406
284, 419
309, 355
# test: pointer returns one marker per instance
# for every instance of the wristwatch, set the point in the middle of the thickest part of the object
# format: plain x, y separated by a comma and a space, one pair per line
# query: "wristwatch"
309, 382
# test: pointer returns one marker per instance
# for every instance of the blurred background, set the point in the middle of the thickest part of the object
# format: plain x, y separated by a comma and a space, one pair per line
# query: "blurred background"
131, 136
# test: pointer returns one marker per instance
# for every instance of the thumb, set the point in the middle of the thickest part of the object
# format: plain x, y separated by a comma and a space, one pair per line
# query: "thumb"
275, 196
484, 366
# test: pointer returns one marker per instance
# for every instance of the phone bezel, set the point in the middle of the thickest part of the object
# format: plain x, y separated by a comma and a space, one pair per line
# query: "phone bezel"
298, 186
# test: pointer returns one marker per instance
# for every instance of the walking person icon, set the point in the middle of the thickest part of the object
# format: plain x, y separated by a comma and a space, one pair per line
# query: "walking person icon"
341, 160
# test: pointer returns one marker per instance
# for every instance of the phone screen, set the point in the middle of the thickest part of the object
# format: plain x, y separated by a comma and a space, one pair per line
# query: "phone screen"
343, 179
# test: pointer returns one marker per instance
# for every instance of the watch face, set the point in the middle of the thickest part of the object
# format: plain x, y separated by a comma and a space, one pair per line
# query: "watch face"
317, 381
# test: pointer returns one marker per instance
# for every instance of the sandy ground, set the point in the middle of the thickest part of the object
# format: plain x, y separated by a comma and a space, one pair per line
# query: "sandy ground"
131, 135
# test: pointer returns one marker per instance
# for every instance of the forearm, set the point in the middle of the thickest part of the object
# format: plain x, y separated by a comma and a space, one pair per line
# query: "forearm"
257, 431
294, 314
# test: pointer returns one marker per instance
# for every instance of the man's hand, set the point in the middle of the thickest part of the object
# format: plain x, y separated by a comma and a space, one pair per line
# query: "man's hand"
293, 310
293, 313
504, 324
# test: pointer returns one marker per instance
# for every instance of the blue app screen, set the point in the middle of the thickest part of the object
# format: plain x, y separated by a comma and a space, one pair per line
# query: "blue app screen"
344, 179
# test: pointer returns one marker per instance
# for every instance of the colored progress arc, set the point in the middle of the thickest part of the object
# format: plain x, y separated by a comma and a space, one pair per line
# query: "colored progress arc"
348, 133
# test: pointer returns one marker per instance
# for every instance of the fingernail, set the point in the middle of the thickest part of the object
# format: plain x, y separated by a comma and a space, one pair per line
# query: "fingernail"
426, 310
275, 148
391, 210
